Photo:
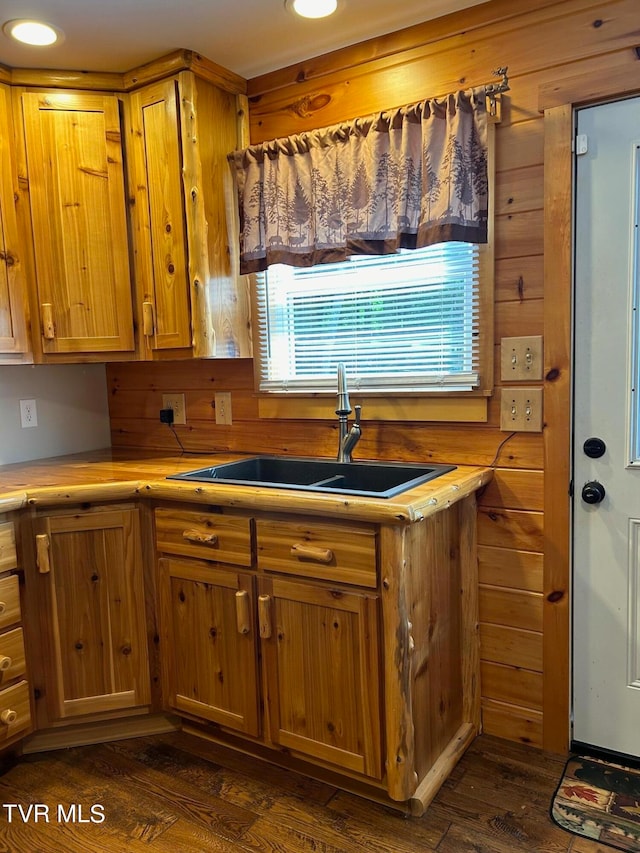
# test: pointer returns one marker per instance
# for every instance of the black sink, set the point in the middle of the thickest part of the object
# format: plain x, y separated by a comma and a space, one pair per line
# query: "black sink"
366, 479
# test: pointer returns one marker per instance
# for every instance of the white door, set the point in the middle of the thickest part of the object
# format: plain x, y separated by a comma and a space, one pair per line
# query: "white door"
606, 574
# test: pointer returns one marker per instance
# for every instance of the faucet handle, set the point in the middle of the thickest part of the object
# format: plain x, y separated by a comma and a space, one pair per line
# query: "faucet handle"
358, 410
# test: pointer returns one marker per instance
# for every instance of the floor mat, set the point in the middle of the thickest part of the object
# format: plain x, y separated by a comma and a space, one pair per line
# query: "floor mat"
601, 801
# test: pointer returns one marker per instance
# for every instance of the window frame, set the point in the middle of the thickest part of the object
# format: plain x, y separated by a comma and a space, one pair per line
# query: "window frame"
420, 405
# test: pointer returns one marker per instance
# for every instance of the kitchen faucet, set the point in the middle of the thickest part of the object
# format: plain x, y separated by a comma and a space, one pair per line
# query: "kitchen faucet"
347, 438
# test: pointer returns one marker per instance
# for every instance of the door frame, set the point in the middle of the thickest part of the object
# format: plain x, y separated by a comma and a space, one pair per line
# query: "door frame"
557, 101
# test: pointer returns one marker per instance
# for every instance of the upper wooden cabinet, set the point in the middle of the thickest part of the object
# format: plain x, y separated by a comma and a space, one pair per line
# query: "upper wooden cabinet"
126, 214
79, 223
14, 346
189, 293
162, 274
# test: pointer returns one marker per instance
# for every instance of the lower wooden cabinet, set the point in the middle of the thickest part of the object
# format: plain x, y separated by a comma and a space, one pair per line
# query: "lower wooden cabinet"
209, 643
15, 700
310, 649
321, 663
92, 643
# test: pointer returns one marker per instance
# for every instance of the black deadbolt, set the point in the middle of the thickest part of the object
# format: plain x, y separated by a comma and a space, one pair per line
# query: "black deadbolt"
593, 492
594, 447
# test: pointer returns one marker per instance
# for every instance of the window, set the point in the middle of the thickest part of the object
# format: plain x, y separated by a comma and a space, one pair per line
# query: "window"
407, 322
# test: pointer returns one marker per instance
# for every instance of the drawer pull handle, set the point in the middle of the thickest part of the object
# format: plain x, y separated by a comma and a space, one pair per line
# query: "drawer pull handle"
264, 616
200, 537
243, 615
42, 553
9, 716
5, 663
147, 319
3, 607
310, 552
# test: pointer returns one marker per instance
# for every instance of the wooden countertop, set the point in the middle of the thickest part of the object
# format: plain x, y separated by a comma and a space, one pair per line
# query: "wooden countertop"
120, 474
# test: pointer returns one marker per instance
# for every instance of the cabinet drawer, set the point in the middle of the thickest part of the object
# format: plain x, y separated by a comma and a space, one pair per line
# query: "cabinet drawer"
332, 552
8, 557
15, 712
9, 601
206, 535
12, 660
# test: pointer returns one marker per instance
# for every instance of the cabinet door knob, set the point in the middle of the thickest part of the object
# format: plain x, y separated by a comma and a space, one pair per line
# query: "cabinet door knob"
147, 319
200, 537
48, 326
5, 663
243, 614
311, 552
3, 607
8, 716
42, 553
264, 616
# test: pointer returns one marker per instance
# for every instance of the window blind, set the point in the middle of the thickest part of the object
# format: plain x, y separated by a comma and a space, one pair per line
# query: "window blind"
402, 322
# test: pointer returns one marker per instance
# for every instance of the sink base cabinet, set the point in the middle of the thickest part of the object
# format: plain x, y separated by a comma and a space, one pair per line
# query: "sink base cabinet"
375, 687
209, 643
321, 672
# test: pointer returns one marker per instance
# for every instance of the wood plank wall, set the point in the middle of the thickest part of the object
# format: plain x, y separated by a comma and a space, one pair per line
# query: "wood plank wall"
544, 43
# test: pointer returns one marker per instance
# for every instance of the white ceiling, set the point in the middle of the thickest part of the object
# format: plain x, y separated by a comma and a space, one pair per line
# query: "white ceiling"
249, 37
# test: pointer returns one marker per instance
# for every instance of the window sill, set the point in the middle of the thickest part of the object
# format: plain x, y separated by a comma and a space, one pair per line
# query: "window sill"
470, 408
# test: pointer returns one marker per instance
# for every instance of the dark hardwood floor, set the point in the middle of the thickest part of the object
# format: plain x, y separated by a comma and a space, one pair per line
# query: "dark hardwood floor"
180, 794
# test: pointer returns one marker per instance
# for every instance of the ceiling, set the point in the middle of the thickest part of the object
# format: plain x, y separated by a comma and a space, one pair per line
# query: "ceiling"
250, 37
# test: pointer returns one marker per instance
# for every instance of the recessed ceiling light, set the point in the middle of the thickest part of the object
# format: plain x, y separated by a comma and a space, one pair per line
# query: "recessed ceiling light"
312, 8
33, 32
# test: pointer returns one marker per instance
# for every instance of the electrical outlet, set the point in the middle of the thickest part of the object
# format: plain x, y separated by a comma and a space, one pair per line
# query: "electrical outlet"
175, 402
521, 410
222, 403
521, 359
28, 414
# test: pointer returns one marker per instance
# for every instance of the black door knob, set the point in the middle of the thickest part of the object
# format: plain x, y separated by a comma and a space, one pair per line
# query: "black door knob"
594, 447
593, 492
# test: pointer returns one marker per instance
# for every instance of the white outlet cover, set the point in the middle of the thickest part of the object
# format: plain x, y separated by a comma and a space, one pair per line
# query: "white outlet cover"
28, 414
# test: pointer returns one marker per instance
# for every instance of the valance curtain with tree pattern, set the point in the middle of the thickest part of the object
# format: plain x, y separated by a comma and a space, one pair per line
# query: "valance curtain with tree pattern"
402, 179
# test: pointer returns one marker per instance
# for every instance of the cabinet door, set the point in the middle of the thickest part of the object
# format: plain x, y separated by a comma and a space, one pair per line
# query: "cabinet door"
208, 630
95, 651
159, 216
77, 195
13, 331
320, 652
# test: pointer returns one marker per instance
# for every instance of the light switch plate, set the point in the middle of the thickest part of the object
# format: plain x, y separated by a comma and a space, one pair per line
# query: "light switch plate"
222, 405
521, 359
521, 410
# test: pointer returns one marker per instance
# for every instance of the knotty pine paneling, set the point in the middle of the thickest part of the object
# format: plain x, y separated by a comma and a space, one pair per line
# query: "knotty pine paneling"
517, 279
546, 45
510, 568
391, 44
519, 145
512, 722
519, 190
532, 43
511, 607
518, 647
512, 684
515, 489
524, 317
510, 528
